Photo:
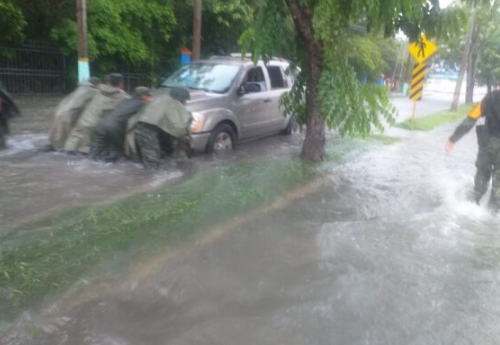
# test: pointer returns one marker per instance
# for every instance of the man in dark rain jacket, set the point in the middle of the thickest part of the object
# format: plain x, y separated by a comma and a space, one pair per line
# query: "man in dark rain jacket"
488, 156
109, 135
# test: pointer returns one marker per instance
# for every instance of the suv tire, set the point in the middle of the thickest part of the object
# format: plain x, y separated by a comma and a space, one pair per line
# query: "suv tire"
223, 138
289, 128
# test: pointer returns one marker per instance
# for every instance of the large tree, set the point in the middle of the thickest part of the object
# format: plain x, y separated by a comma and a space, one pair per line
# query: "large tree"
12, 23
482, 59
317, 33
134, 35
488, 61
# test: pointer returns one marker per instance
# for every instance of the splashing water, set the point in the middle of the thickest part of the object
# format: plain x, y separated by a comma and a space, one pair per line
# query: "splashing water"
391, 252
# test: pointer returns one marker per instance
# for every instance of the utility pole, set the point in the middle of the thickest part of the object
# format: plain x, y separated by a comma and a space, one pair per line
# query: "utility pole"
198, 5
465, 59
83, 53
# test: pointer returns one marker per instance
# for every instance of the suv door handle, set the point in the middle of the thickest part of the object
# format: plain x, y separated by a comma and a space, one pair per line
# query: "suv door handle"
267, 100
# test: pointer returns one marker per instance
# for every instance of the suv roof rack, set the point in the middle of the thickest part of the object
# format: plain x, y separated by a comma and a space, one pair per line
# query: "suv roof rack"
247, 57
239, 55
228, 57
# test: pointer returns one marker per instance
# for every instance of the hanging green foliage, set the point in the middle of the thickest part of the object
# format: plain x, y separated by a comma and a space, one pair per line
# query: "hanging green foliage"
332, 59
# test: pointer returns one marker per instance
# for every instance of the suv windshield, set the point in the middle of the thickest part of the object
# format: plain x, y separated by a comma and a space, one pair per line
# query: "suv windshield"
208, 77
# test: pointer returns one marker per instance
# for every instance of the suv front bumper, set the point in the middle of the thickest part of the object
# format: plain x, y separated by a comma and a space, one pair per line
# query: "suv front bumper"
200, 141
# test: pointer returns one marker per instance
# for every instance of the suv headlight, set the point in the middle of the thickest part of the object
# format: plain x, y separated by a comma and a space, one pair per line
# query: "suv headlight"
197, 124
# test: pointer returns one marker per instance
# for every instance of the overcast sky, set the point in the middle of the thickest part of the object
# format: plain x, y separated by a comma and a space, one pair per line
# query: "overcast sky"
444, 3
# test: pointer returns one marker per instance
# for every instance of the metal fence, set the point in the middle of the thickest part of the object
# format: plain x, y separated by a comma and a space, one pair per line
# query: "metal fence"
33, 68
132, 80
39, 69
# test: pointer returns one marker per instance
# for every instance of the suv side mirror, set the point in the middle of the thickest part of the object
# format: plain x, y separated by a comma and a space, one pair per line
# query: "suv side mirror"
250, 87
241, 90
253, 87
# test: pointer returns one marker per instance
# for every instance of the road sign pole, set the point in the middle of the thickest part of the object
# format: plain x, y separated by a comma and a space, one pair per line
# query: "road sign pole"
413, 112
421, 51
83, 58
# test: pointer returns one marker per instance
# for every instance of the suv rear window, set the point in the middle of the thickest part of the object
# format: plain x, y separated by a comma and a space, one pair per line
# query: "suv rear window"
276, 76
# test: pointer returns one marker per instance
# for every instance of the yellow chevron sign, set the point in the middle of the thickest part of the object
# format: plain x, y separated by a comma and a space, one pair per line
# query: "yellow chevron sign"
417, 81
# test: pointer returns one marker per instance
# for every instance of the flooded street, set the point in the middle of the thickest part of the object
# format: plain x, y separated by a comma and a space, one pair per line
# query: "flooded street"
384, 249
389, 253
35, 183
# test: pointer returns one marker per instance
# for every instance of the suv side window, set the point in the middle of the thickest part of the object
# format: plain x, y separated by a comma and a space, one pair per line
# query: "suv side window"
255, 76
276, 76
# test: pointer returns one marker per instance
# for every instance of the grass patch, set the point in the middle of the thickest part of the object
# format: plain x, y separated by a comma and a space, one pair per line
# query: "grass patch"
430, 122
35, 266
379, 138
44, 258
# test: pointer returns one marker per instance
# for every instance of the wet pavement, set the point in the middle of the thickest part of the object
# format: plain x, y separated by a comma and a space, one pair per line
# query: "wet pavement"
388, 251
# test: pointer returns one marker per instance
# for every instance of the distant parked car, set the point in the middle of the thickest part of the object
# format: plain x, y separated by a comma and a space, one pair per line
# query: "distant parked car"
233, 100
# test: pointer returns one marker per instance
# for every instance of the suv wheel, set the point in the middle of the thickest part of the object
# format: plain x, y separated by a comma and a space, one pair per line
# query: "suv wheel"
223, 138
289, 128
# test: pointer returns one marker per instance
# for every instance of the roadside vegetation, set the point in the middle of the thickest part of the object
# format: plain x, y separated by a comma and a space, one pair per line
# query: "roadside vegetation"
431, 122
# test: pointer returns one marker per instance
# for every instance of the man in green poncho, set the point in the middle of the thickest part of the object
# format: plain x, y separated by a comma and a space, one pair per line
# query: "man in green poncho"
110, 95
162, 127
69, 110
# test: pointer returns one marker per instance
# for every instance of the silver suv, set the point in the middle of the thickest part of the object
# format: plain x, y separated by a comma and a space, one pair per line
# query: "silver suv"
233, 100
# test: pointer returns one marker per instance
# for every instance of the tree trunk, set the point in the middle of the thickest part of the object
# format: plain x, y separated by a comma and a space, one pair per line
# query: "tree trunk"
463, 64
314, 143
471, 78
471, 66
489, 87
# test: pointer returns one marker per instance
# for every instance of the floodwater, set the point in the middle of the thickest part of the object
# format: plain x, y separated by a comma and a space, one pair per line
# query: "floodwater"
388, 251
34, 183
